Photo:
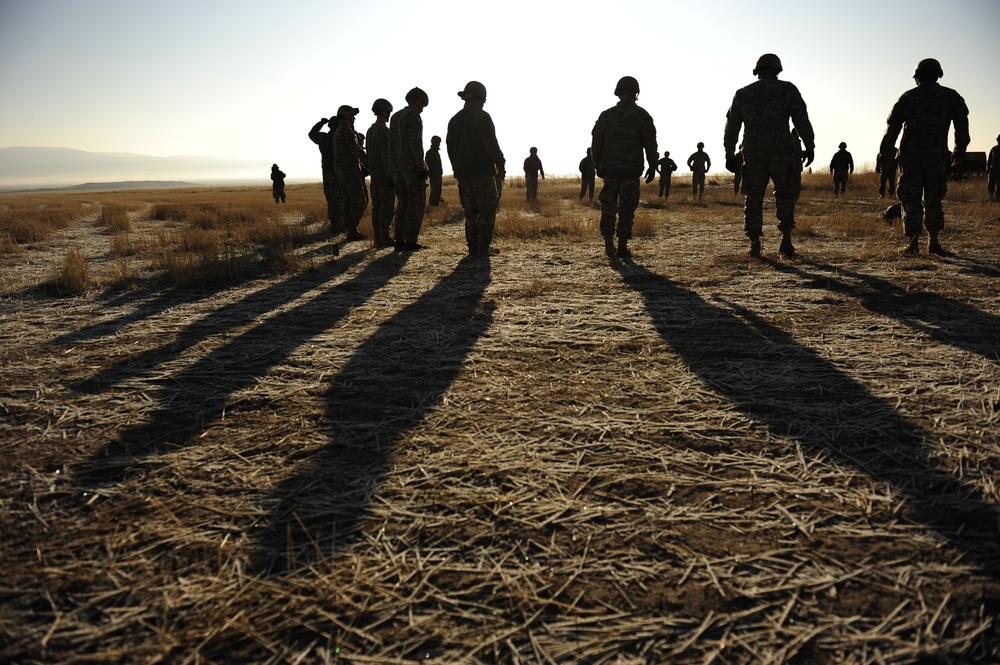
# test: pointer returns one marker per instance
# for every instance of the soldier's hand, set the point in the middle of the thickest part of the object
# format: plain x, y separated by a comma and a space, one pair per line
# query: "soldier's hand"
731, 162
956, 157
324, 120
808, 155
422, 174
650, 174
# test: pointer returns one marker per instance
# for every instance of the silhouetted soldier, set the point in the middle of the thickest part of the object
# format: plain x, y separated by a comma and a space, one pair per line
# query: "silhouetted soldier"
886, 166
699, 162
842, 165
383, 192
409, 171
479, 166
324, 141
435, 172
587, 175
763, 108
277, 184
666, 167
532, 167
992, 167
924, 114
621, 135
348, 156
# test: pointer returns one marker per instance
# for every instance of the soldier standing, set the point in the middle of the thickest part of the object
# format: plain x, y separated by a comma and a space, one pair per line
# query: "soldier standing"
763, 108
348, 156
409, 171
842, 165
383, 193
699, 162
587, 175
532, 167
277, 184
324, 141
992, 166
434, 170
621, 135
924, 114
886, 166
666, 167
479, 166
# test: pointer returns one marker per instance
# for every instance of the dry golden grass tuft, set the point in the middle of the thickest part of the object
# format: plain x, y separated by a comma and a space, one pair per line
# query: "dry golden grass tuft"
72, 275
116, 218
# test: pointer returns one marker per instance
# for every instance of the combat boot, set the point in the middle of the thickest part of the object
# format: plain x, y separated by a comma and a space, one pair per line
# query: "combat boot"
755, 246
623, 250
609, 245
786, 246
934, 247
912, 249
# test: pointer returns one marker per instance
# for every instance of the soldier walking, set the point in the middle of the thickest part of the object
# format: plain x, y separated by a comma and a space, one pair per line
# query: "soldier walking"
383, 192
841, 166
479, 166
992, 166
666, 167
532, 167
409, 171
621, 135
324, 141
763, 109
886, 166
587, 175
348, 156
277, 184
925, 114
699, 162
435, 172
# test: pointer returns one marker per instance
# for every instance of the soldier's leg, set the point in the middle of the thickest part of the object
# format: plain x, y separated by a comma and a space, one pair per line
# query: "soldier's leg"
910, 191
418, 196
628, 201
402, 208
663, 186
468, 200
935, 188
609, 211
787, 187
755, 179
487, 199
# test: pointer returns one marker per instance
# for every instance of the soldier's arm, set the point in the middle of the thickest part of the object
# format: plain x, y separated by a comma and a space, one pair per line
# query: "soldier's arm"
597, 144
961, 122
734, 121
314, 132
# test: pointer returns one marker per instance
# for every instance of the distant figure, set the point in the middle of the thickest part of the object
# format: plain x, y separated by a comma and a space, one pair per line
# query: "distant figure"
532, 167
666, 167
886, 166
699, 163
348, 157
383, 192
409, 171
277, 184
763, 109
435, 172
992, 165
479, 167
324, 141
587, 175
841, 166
621, 135
925, 114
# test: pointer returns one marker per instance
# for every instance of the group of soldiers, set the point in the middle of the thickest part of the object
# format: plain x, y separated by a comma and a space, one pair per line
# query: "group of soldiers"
623, 147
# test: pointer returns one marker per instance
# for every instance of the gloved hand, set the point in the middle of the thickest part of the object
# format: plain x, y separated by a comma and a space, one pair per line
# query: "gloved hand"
650, 174
732, 162
808, 155
956, 157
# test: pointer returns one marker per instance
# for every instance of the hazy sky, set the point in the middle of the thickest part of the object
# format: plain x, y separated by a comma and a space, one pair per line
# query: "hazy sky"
247, 79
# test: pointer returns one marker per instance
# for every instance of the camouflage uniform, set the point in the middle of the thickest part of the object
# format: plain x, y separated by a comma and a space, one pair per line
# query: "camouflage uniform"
383, 193
347, 157
924, 114
764, 107
699, 163
621, 135
409, 172
479, 167
992, 168
887, 164
532, 166
841, 166
435, 171
587, 176
324, 141
666, 167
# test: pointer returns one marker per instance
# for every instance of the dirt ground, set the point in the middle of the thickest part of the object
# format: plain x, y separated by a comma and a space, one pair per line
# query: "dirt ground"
546, 456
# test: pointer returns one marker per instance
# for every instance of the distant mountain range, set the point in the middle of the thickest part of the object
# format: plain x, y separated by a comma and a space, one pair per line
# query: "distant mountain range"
31, 167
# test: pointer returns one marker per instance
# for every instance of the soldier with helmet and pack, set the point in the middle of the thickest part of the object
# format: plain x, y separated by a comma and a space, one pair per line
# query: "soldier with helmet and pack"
763, 109
409, 171
348, 157
925, 114
841, 166
383, 193
621, 136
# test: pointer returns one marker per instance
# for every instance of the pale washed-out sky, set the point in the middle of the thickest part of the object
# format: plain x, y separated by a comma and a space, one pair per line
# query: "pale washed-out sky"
247, 79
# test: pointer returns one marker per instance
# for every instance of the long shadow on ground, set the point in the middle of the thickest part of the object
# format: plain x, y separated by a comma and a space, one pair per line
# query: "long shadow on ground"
392, 381
195, 397
795, 393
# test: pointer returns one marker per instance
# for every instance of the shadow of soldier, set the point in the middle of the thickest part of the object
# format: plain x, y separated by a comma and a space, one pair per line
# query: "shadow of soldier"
388, 387
197, 396
796, 393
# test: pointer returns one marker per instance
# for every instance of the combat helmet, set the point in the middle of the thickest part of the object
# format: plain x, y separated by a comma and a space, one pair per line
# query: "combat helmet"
767, 62
627, 83
473, 89
417, 95
382, 107
842, 146
928, 69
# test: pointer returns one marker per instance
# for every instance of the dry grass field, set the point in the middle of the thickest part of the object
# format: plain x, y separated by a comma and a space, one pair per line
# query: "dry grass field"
224, 442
